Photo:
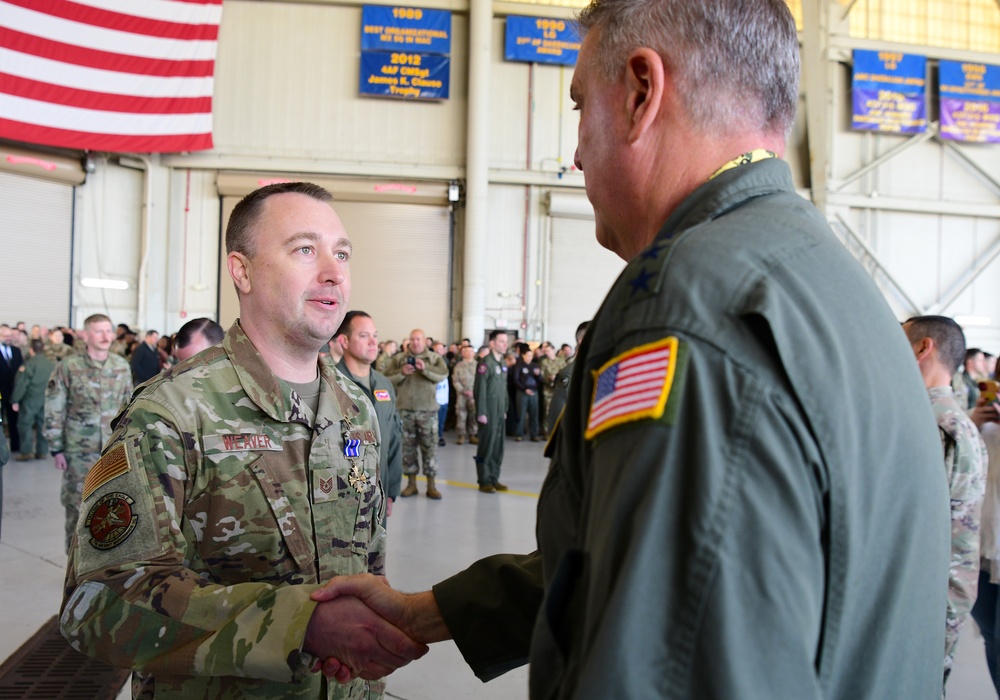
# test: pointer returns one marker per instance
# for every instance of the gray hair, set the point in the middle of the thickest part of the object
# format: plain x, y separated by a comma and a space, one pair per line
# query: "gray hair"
735, 62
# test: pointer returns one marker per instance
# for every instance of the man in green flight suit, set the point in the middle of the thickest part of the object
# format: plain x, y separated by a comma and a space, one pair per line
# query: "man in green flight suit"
28, 400
358, 339
719, 519
490, 391
235, 484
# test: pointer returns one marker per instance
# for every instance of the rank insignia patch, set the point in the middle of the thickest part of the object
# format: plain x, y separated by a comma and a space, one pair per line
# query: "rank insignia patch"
633, 386
113, 464
111, 520
382, 395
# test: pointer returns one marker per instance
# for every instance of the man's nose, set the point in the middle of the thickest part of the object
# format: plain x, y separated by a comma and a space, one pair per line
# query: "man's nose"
576, 159
334, 269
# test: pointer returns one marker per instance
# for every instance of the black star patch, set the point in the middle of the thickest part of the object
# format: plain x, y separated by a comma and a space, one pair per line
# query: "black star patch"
640, 283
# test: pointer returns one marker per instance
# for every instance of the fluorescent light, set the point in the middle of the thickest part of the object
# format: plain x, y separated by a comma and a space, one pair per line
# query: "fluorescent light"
103, 284
973, 320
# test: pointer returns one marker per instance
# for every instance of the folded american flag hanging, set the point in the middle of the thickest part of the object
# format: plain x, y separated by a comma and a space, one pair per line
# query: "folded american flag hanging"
131, 76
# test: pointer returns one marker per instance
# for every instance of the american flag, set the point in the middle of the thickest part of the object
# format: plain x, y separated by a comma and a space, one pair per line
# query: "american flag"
131, 76
632, 386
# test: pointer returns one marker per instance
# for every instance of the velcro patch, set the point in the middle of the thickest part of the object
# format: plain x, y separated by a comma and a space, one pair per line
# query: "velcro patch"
111, 520
112, 465
633, 386
240, 442
382, 395
481, 369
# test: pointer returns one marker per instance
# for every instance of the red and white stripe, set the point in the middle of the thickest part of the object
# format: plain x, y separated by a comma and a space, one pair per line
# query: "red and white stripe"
109, 75
639, 386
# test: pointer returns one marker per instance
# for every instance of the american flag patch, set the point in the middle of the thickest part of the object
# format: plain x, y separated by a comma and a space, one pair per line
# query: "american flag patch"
632, 386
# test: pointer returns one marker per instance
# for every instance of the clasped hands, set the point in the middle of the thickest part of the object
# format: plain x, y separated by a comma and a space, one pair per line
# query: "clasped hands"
363, 628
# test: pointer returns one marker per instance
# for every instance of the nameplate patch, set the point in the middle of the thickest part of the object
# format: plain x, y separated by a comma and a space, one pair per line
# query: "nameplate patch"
113, 464
240, 442
382, 395
632, 386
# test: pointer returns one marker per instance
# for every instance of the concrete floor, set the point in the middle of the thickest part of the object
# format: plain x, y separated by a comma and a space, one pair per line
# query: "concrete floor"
428, 540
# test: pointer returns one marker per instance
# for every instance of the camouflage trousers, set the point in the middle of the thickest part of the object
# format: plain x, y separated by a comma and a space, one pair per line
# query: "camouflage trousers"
420, 432
465, 416
77, 466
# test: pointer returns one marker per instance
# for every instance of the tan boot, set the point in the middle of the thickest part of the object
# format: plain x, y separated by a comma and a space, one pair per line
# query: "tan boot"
411, 487
473, 440
460, 440
432, 491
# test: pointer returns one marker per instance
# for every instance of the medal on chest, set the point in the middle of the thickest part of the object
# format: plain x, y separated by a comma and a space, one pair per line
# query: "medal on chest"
354, 443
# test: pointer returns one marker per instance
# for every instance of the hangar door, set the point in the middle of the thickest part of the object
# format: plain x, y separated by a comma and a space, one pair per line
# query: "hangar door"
580, 271
37, 250
401, 266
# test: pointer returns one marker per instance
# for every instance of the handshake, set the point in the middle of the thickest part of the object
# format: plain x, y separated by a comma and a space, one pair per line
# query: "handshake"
363, 628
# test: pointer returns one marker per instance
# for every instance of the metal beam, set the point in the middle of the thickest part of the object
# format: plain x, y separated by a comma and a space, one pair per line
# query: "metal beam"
966, 280
816, 85
971, 164
880, 267
916, 206
915, 140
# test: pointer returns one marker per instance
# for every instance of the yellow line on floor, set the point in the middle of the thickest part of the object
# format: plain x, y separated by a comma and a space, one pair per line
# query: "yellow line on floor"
463, 485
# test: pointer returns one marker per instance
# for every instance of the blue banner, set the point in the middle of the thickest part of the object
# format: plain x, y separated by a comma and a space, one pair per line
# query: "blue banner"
413, 76
970, 101
889, 92
405, 29
541, 40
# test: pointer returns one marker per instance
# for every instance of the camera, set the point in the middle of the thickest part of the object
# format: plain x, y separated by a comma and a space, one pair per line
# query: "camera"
411, 361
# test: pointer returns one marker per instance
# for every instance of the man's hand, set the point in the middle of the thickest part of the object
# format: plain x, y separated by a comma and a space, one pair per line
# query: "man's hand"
388, 507
468, 393
419, 364
529, 392
60, 460
984, 413
408, 369
362, 643
415, 614
15, 407
481, 419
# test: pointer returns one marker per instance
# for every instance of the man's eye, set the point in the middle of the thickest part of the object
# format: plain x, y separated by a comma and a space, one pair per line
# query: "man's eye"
307, 249
343, 255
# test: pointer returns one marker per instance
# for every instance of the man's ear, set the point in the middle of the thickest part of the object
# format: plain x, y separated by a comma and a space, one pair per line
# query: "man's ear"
239, 270
342, 341
645, 84
924, 349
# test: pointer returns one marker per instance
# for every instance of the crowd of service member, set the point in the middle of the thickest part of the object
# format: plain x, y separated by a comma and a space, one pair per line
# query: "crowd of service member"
532, 378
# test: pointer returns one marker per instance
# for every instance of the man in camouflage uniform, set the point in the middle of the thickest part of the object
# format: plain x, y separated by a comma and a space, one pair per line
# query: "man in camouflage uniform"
29, 402
86, 390
939, 346
463, 378
415, 373
492, 403
235, 484
55, 347
551, 364
560, 389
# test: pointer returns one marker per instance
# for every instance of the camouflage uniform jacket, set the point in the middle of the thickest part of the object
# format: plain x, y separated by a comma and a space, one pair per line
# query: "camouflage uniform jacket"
57, 351
463, 377
417, 391
965, 462
82, 397
233, 504
550, 370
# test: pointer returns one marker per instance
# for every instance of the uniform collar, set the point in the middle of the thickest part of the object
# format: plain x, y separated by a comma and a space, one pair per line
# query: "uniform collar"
272, 397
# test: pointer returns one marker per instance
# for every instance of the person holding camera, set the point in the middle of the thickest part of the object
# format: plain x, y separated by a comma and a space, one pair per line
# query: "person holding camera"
415, 375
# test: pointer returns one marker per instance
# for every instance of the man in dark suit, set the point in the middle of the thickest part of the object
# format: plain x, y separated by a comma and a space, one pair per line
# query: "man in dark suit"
10, 362
146, 359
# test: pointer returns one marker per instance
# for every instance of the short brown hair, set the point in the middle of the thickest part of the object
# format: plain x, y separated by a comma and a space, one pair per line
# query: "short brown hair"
95, 318
240, 230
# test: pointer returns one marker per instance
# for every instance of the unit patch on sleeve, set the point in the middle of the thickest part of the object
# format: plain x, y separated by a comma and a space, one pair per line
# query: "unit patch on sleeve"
111, 520
113, 464
382, 395
633, 386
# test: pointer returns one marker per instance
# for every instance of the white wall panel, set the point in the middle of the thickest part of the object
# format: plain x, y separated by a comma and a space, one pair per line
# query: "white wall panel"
108, 242
287, 86
505, 255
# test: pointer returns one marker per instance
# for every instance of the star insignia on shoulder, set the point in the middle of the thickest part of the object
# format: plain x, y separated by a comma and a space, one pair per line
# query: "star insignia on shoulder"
640, 283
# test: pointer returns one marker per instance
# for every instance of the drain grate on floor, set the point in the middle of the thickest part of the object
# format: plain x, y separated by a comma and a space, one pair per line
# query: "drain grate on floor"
46, 667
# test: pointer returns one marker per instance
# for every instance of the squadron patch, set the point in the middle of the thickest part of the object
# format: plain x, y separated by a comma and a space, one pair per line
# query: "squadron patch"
481, 368
112, 465
111, 520
382, 395
633, 386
